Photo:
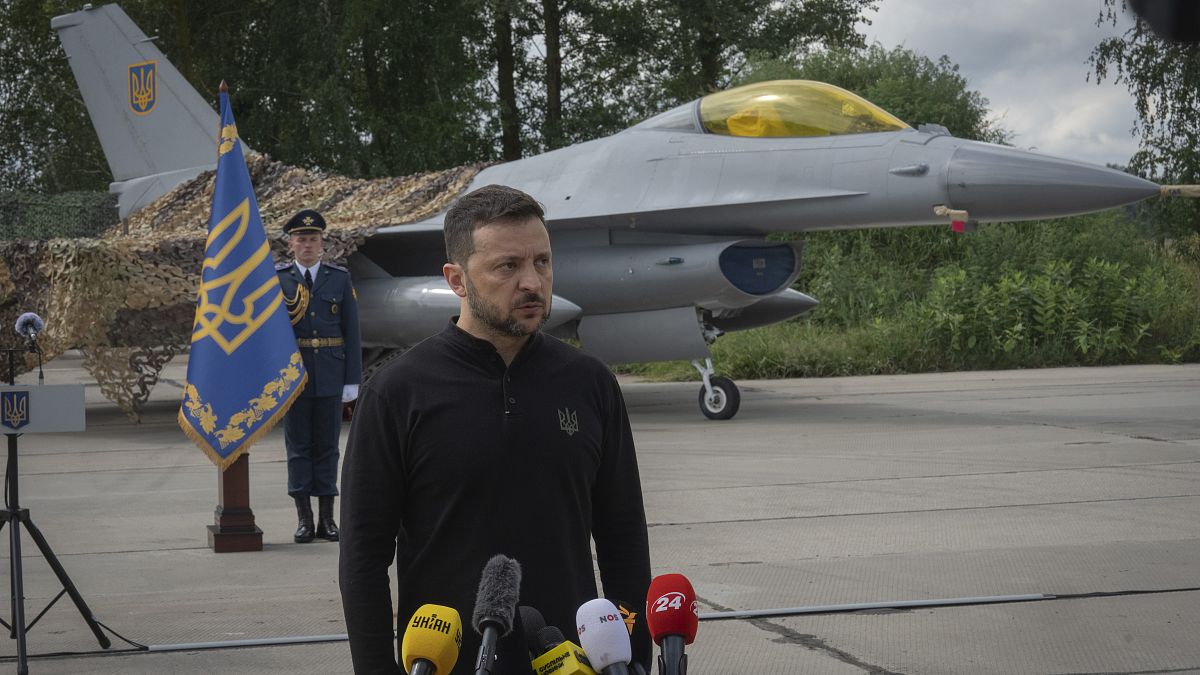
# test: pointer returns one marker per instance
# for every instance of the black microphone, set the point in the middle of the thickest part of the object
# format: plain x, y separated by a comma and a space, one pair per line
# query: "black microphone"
532, 621
495, 603
29, 325
555, 655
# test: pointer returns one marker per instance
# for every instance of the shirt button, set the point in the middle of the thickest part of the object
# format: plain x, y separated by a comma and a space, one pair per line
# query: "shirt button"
312, 313
512, 400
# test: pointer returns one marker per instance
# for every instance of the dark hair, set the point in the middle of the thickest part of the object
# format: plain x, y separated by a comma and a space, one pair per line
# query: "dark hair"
487, 205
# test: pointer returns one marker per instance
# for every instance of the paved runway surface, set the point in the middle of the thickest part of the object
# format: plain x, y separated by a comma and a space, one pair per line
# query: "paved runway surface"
1081, 484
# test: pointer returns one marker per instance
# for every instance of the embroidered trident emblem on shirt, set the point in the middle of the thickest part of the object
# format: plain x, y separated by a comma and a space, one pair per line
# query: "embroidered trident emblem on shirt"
568, 421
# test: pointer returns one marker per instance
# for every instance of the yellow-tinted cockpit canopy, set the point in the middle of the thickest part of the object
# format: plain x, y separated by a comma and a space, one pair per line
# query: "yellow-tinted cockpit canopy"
793, 108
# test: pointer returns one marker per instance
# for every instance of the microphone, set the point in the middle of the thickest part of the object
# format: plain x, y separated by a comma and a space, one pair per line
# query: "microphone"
557, 656
29, 325
604, 637
532, 621
431, 641
549, 651
672, 617
495, 603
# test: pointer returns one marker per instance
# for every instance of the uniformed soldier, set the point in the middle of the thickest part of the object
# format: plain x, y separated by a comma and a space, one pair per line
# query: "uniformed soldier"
324, 312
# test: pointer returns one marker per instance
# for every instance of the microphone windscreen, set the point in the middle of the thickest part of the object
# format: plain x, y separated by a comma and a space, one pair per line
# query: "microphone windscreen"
548, 638
435, 634
532, 621
499, 592
602, 634
28, 321
671, 608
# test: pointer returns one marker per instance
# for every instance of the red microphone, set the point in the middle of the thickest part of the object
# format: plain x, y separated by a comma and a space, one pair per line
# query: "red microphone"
672, 617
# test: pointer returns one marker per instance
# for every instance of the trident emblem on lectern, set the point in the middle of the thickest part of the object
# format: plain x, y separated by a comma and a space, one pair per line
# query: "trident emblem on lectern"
14, 409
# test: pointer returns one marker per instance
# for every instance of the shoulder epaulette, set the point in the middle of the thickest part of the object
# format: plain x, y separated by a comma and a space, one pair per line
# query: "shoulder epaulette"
336, 267
279, 267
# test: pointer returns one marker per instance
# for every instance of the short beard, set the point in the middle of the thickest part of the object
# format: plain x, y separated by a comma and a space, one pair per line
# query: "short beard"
501, 322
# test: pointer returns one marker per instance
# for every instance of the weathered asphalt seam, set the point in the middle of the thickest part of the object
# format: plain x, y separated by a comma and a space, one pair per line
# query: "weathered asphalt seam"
789, 636
985, 507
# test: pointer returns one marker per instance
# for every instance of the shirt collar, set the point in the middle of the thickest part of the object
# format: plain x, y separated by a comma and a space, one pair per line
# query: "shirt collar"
316, 266
484, 349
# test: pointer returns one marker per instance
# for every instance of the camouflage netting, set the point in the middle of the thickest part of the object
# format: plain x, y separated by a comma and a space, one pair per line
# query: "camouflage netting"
25, 215
126, 299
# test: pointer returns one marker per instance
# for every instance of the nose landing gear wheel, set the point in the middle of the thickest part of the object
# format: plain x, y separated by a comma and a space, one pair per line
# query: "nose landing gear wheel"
724, 402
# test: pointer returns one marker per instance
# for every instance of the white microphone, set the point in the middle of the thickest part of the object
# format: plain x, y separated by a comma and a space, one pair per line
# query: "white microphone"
604, 637
29, 325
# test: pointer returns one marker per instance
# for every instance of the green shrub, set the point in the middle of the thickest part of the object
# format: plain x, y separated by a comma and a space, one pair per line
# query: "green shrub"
1102, 313
1079, 291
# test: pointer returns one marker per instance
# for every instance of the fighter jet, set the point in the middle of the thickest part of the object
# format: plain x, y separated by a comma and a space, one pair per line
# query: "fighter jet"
659, 231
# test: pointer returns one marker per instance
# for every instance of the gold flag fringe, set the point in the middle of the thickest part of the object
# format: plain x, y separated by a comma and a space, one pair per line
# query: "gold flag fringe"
224, 463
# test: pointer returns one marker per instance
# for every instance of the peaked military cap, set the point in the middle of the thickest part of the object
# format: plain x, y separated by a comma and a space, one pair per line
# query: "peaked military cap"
304, 222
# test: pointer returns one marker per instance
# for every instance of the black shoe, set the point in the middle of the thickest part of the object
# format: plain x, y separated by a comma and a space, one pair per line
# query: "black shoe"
305, 530
326, 528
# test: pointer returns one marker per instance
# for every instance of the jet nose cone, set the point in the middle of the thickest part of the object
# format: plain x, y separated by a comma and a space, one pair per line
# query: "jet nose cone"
994, 183
562, 311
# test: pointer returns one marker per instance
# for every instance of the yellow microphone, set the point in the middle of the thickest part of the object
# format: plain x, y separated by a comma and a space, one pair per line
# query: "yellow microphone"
431, 640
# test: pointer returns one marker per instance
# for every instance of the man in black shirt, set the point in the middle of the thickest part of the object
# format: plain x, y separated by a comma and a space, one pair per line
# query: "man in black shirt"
490, 438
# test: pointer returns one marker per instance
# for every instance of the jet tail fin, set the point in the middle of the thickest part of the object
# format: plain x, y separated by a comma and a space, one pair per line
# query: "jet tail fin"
156, 130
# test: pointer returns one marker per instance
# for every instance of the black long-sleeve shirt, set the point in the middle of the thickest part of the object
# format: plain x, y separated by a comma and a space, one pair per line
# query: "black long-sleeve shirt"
454, 458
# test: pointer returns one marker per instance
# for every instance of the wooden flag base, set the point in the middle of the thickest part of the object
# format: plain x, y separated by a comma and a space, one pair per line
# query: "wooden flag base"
234, 531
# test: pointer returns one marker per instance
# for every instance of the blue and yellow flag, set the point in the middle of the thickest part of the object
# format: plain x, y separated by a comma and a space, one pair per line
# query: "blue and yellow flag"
244, 368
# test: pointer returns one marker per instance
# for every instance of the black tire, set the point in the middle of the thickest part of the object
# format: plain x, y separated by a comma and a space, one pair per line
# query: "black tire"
727, 396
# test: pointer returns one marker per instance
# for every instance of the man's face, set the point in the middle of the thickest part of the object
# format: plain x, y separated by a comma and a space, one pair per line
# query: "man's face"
306, 247
508, 279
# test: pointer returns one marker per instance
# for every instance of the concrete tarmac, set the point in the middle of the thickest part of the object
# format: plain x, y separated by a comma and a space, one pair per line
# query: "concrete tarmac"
1077, 486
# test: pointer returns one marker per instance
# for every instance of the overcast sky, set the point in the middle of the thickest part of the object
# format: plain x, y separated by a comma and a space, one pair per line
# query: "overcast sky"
1029, 59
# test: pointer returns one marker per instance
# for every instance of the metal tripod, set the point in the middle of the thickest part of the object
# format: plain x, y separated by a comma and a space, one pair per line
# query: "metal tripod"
15, 516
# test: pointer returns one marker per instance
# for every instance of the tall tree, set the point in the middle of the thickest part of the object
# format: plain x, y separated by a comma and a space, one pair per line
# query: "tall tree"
552, 22
701, 45
359, 87
1164, 78
506, 73
624, 60
578, 88
385, 87
46, 139
414, 81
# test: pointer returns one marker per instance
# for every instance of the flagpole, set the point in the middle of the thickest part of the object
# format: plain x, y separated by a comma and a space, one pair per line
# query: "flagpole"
234, 530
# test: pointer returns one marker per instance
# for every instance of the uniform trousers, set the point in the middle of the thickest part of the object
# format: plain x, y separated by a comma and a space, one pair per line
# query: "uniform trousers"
310, 432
